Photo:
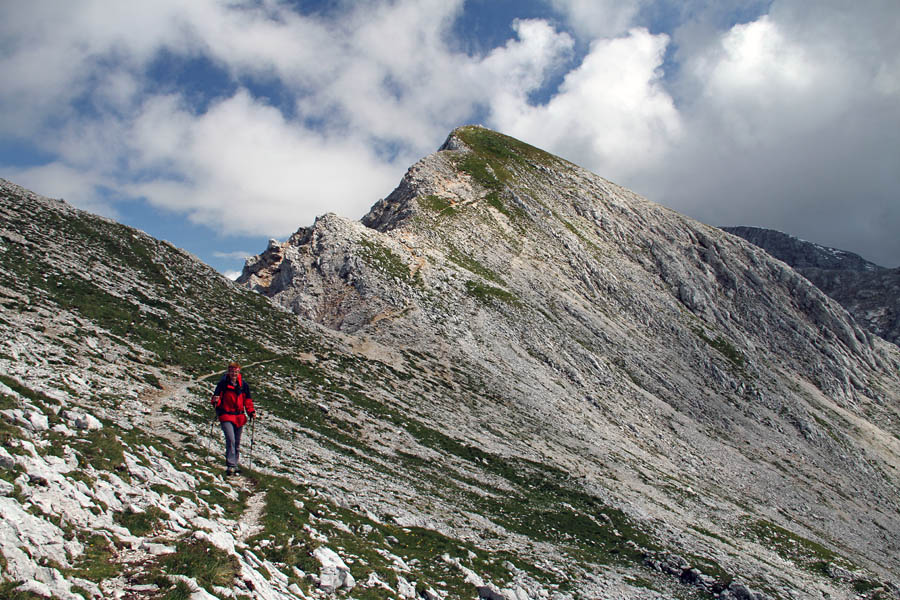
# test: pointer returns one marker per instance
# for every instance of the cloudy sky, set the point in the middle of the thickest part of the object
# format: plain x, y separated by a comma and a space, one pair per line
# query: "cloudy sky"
219, 125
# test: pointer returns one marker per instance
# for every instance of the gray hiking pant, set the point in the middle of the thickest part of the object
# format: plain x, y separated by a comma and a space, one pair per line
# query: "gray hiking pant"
232, 443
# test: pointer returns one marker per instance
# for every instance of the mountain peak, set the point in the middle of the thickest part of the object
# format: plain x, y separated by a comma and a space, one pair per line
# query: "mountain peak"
474, 164
525, 382
800, 253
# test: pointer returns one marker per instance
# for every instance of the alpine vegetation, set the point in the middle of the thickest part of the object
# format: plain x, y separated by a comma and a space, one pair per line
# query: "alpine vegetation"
512, 379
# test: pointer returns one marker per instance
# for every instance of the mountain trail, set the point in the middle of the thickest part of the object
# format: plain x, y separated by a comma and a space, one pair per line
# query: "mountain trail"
419, 260
250, 522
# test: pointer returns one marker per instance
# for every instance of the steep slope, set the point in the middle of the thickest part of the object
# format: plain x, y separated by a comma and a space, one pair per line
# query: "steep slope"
869, 292
109, 464
675, 370
109, 470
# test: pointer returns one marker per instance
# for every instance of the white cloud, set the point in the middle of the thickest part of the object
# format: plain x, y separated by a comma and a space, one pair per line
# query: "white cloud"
770, 122
243, 169
381, 76
788, 120
237, 255
522, 66
611, 113
57, 180
593, 19
398, 80
787, 125
761, 80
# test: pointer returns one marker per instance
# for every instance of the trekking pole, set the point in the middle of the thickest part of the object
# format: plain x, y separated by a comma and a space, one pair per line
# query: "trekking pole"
210, 436
252, 434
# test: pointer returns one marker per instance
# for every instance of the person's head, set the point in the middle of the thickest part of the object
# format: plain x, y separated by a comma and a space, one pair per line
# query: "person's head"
234, 369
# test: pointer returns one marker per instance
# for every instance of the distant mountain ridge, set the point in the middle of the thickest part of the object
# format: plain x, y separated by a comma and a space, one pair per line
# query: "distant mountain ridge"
871, 293
800, 253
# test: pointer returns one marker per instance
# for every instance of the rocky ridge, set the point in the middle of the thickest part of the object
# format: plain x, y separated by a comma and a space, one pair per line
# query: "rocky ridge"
497, 402
590, 306
870, 293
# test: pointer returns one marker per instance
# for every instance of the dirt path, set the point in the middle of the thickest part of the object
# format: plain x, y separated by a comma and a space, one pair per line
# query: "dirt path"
250, 522
136, 562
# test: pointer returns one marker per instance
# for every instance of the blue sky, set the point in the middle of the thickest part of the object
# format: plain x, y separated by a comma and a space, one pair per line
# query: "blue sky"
219, 125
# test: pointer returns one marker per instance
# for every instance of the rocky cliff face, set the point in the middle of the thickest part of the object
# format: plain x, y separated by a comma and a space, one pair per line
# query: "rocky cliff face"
870, 293
512, 380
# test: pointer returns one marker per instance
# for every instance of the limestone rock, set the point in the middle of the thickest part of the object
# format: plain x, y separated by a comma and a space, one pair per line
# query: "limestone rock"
334, 573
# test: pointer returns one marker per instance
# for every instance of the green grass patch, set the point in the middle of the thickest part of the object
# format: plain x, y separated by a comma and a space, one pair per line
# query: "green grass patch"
442, 206
9, 432
513, 212
640, 582
470, 264
233, 507
8, 592
96, 563
581, 236
102, 450
807, 554
864, 586
153, 380
283, 523
203, 562
490, 295
421, 549
710, 567
179, 591
547, 505
27, 392
383, 259
163, 489
726, 349
482, 170
715, 536
501, 149
140, 523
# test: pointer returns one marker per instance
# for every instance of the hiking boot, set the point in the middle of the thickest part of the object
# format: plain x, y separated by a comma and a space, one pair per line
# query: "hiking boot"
229, 472
237, 471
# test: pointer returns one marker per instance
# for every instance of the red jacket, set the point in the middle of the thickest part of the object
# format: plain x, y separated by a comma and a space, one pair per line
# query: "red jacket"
234, 401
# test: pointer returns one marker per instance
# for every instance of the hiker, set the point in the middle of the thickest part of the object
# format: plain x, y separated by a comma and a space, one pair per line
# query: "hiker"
231, 400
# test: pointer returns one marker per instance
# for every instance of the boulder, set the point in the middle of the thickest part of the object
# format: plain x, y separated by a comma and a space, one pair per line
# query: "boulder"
404, 588
82, 421
36, 421
334, 574
7, 461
